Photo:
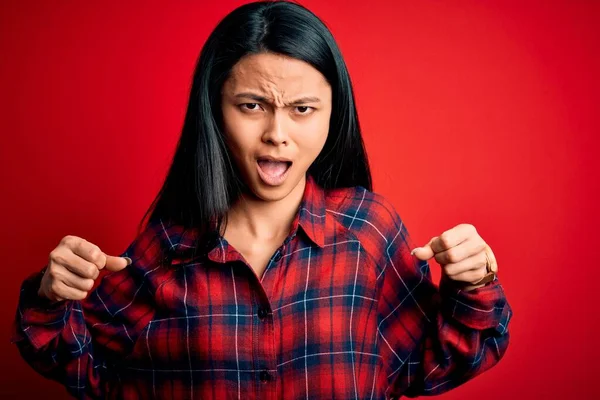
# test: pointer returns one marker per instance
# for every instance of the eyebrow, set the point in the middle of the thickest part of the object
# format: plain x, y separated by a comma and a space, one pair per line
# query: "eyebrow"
256, 97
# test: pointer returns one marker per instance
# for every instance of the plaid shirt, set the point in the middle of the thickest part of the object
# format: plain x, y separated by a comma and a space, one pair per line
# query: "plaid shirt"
341, 311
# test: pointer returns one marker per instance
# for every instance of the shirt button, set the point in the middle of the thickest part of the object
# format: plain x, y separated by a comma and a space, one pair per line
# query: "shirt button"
265, 376
262, 313
278, 256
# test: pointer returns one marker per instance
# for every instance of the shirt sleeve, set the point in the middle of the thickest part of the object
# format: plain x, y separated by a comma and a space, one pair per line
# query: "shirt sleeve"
77, 342
434, 339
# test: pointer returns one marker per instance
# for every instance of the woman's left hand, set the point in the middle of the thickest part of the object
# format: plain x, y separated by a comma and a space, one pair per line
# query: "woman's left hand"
464, 256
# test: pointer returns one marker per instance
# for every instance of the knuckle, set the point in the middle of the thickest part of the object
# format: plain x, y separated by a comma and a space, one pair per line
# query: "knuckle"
476, 275
445, 239
91, 271
481, 246
95, 253
78, 244
53, 270
55, 287
449, 271
483, 260
54, 255
59, 260
452, 256
89, 283
468, 226
439, 258
68, 240
80, 296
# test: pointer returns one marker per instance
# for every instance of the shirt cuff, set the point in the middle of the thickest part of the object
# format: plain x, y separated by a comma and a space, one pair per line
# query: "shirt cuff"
38, 319
481, 308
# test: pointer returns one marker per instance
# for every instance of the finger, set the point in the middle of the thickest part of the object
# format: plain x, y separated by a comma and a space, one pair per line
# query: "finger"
74, 263
453, 237
474, 262
75, 281
492, 259
424, 253
64, 292
88, 251
471, 276
117, 263
461, 252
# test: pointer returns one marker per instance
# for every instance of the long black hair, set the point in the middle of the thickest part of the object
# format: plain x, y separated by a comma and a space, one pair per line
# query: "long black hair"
202, 182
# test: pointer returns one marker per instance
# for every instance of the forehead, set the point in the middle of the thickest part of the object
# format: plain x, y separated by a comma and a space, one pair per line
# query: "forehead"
275, 74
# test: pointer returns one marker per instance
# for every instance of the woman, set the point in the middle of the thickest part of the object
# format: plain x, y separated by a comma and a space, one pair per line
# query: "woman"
266, 268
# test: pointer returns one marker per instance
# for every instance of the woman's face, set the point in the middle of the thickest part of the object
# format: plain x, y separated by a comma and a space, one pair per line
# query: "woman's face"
276, 112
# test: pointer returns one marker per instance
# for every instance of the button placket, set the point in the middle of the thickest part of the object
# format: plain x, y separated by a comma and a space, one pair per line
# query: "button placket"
265, 360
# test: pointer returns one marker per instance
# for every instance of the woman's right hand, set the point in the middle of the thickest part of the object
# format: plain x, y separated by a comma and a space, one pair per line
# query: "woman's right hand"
73, 267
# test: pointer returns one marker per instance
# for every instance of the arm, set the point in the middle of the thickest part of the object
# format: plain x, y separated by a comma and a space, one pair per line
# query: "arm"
435, 339
77, 342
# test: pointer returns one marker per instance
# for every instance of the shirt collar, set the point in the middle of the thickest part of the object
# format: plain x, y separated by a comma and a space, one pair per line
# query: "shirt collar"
310, 218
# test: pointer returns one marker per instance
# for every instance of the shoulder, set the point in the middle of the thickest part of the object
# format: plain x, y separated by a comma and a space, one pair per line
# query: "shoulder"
367, 215
152, 243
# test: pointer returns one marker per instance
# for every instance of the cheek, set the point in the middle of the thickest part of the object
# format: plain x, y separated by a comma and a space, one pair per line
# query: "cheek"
314, 137
239, 135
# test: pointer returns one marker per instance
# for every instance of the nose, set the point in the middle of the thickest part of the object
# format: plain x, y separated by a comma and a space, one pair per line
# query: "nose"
275, 130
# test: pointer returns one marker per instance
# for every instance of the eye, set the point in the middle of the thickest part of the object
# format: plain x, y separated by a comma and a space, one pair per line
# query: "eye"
304, 110
250, 106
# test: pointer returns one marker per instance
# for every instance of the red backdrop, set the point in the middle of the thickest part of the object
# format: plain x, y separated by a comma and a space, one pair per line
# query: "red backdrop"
479, 112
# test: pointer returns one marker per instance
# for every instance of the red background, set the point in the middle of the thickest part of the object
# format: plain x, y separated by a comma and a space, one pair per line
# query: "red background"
479, 112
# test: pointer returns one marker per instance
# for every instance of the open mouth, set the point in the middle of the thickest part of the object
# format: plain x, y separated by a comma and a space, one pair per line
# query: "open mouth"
273, 172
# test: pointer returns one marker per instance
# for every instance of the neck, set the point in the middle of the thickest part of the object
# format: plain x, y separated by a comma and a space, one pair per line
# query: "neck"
265, 220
